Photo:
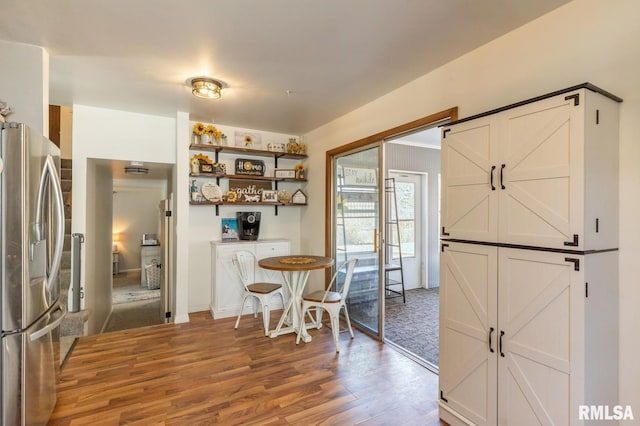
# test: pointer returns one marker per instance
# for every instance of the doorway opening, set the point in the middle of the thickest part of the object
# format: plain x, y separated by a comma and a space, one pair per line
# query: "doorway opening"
412, 321
357, 218
138, 242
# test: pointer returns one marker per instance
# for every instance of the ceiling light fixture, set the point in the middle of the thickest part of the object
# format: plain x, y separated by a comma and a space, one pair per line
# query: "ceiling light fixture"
207, 88
136, 168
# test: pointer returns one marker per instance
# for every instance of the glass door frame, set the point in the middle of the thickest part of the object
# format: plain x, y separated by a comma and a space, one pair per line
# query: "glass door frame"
372, 141
369, 324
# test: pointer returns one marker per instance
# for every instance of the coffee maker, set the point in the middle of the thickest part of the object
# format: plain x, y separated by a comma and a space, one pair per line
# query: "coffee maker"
248, 225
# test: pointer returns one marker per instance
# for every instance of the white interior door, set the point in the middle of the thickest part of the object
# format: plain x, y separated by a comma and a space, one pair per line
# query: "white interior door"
412, 221
166, 243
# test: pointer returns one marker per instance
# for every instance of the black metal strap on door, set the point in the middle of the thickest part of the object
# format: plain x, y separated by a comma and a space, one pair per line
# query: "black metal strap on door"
493, 169
576, 262
491, 330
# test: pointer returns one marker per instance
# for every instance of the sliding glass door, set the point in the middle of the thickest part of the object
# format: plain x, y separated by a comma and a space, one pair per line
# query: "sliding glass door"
357, 230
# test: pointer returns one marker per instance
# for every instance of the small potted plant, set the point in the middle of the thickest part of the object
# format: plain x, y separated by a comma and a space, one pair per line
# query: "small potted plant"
300, 172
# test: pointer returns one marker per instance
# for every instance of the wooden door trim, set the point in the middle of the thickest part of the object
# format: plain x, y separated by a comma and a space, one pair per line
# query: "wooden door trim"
429, 120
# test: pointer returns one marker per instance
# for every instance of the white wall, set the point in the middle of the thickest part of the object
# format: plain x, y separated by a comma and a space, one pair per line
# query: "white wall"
135, 212
181, 220
586, 40
24, 85
205, 226
115, 135
98, 242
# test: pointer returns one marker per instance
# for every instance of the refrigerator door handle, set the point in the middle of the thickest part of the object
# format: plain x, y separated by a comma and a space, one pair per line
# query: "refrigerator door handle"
47, 329
50, 174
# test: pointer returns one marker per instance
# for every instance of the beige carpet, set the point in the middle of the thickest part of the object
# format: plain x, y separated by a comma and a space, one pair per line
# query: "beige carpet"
133, 293
126, 316
133, 305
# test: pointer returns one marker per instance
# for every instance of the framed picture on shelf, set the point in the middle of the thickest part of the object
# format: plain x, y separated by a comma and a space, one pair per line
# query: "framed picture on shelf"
284, 173
269, 196
219, 168
206, 168
229, 229
248, 140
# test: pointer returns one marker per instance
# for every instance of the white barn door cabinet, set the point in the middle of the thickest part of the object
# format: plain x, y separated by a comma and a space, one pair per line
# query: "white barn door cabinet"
542, 174
529, 269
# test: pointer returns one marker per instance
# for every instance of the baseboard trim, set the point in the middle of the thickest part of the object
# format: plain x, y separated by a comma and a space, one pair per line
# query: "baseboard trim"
452, 418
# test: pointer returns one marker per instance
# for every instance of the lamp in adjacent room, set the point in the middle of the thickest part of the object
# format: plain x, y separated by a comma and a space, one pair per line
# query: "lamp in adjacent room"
115, 239
207, 88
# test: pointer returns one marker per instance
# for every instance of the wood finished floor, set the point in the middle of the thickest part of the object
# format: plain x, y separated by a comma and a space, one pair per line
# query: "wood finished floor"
205, 372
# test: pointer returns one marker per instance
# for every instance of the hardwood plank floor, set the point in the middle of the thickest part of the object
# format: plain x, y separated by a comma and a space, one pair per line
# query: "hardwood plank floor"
205, 372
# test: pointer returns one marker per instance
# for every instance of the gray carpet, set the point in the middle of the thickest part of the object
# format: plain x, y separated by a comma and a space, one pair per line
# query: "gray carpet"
133, 293
133, 305
133, 315
414, 325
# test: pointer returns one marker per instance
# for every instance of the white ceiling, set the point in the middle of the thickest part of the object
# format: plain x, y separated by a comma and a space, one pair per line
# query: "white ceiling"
331, 55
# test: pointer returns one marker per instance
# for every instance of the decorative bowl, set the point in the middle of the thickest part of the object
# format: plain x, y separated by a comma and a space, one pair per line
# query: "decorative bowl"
284, 196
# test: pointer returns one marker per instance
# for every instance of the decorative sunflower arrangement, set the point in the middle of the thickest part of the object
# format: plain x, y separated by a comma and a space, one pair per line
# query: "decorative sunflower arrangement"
203, 158
199, 129
299, 168
211, 131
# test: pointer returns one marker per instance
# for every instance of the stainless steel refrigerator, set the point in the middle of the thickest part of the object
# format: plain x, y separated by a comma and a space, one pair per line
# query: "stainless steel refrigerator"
31, 244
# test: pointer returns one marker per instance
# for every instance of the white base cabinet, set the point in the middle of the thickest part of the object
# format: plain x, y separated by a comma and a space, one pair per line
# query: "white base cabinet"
526, 336
226, 287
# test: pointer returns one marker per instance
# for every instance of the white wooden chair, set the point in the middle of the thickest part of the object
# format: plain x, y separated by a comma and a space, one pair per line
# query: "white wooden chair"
331, 301
246, 265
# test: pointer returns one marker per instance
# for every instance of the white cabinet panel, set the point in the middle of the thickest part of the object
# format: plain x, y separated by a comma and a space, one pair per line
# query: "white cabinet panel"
541, 314
469, 199
226, 288
468, 316
542, 167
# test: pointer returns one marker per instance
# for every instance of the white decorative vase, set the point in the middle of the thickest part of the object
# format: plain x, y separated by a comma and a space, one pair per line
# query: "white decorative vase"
205, 139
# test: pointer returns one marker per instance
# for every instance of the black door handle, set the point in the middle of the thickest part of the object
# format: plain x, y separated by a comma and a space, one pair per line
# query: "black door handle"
501, 171
493, 168
491, 330
501, 335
